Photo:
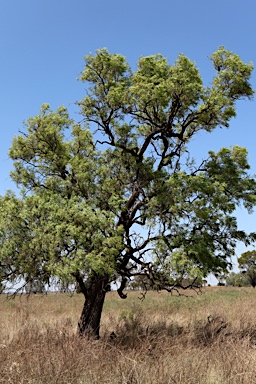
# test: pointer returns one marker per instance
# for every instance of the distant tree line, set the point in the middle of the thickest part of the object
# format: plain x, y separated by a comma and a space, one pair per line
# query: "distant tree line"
237, 280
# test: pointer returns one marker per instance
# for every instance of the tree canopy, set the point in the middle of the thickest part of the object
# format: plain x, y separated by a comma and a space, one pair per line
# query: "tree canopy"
247, 263
237, 279
120, 194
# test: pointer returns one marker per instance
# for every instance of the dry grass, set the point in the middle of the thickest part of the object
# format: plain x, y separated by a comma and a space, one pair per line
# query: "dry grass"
207, 339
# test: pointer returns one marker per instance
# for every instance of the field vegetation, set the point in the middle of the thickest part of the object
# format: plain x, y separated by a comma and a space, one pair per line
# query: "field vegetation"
200, 339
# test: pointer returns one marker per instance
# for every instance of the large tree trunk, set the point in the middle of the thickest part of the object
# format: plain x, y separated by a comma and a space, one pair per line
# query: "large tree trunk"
89, 323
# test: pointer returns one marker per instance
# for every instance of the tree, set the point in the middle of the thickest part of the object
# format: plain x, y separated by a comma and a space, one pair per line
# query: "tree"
247, 263
35, 286
141, 282
128, 199
2, 287
237, 280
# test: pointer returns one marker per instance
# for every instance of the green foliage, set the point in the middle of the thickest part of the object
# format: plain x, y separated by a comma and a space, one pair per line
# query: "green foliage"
129, 199
247, 263
237, 280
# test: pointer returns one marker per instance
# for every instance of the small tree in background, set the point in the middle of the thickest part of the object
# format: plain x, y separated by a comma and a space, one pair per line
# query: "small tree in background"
247, 263
35, 286
2, 287
237, 280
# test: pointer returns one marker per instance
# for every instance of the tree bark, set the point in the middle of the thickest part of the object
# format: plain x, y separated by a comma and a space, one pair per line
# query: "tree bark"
89, 323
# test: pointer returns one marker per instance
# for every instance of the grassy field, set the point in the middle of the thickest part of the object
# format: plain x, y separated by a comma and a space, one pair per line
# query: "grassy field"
202, 339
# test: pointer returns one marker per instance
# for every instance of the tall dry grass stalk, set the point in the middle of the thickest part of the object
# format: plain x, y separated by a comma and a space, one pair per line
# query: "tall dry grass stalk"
206, 339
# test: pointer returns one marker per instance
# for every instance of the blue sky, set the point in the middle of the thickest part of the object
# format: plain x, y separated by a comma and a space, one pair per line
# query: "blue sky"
43, 44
